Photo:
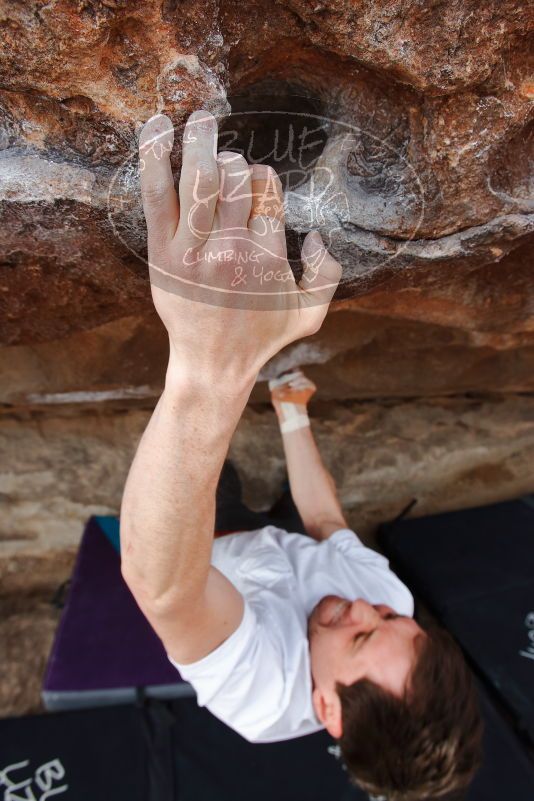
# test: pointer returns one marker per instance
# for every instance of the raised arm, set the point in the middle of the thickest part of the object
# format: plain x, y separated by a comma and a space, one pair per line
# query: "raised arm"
168, 510
219, 338
312, 487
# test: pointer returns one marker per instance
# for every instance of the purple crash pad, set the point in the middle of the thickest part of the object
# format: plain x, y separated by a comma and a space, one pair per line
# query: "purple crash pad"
104, 642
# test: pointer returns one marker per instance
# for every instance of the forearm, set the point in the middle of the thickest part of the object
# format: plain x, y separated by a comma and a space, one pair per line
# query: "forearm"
312, 487
168, 506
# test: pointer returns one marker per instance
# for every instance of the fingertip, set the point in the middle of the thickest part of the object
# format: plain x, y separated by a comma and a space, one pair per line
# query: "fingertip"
265, 172
312, 244
202, 119
332, 267
201, 113
158, 127
160, 118
314, 250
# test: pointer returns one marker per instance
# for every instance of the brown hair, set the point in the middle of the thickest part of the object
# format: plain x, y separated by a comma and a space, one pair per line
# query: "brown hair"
423, 745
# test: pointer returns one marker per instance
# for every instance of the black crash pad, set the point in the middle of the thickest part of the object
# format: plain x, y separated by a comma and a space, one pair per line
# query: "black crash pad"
115, 753
176, 751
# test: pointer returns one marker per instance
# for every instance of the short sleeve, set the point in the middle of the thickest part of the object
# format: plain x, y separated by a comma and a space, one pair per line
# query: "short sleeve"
242, 681
347, 541
381, 584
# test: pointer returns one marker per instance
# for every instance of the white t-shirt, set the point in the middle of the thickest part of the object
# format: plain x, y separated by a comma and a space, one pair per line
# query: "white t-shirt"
259, 681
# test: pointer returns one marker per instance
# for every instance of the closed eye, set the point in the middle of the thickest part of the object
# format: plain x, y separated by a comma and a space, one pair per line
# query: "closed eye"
362, 637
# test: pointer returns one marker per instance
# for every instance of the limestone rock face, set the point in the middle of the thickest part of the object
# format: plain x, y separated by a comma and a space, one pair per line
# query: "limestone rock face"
403, 131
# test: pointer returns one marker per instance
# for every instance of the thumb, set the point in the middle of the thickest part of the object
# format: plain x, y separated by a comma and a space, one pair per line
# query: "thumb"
320, 278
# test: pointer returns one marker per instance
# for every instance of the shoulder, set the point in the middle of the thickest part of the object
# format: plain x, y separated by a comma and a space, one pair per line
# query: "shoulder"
206, 673
348, 543
244, 682
377, 581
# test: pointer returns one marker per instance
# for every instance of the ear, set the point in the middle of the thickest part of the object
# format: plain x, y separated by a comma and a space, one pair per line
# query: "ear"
328, 710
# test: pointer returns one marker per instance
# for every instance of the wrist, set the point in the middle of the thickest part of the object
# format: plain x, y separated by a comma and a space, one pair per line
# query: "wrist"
205, 389
301, 408
291, 417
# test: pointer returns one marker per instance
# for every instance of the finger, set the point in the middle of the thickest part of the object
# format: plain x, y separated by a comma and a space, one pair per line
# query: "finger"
320, 279
293, 387
235, 195
267, 219
160, 202
199, 179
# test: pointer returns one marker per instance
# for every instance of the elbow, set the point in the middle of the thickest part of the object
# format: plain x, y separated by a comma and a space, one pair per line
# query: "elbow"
128, 570
132, 570
127, 574
158, 590
321, 527
135, 583
155, 600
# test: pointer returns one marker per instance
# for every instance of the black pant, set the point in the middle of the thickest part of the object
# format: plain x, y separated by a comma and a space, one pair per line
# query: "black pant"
232, 514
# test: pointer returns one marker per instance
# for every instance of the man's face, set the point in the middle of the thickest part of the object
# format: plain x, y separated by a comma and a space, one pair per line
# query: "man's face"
352, 640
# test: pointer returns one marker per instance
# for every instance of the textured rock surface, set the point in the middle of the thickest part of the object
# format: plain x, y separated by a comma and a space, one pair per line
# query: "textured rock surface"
432, 176
357, 354
447, 452
419, 176
27, 627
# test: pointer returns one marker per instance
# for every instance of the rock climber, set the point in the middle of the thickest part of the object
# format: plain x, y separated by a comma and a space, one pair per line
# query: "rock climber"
280, 634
